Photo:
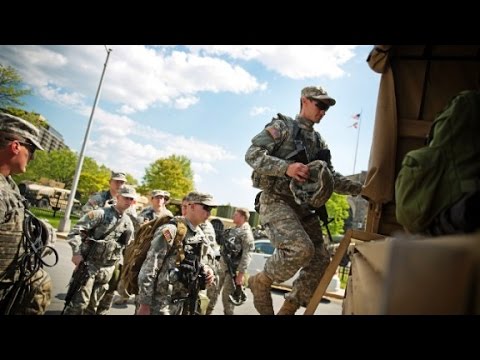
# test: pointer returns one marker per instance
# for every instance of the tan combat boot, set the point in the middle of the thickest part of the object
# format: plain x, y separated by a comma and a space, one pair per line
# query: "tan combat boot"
262, 298
288, 308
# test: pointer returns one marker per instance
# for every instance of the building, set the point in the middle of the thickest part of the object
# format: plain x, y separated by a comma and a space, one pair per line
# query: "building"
51, 139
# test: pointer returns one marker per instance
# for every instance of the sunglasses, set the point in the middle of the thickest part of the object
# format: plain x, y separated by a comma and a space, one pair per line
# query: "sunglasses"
206, 207
321, 105
30, 147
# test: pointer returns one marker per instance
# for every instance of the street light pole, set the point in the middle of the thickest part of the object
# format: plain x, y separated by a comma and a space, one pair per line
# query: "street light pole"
64, 225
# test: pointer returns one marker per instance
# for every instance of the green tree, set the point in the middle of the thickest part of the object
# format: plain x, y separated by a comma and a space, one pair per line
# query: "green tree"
337, 208
173, 174
11, 87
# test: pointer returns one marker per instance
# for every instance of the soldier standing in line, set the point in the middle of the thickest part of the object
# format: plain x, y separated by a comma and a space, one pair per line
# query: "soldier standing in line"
170, 268
18, 142
238, 245
279, 155
103, 199
102, 234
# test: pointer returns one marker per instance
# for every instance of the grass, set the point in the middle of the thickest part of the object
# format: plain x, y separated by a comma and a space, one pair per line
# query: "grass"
48, 216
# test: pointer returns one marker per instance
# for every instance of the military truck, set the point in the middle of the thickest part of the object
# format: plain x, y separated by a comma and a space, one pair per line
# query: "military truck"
48, 197
394, 272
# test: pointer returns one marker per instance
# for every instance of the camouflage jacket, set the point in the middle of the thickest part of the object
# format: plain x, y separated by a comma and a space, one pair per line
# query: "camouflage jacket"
104, 199
242, 243
273, 144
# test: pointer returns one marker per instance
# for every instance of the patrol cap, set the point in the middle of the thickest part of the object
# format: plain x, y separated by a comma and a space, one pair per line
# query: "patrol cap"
317, 189
14, 125
127, 191
118, 176
163, 193
201, 198
318, 93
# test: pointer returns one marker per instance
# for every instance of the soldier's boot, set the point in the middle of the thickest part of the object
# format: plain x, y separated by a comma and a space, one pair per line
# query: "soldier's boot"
288, 308
120, 300
262, 298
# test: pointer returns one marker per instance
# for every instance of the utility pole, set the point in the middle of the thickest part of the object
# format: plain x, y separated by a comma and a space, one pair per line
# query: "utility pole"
358, 137
65, 223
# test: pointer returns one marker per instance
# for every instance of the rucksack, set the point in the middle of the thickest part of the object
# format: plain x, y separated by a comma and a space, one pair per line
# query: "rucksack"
136, 251
437, 178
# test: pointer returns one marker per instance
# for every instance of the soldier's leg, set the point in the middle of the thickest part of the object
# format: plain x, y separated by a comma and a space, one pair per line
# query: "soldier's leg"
81, 298
214, 295
100, 288
228, 289
107, 299
311, 273
35, 301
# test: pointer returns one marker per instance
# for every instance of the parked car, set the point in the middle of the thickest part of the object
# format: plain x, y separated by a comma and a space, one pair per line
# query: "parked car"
263, 250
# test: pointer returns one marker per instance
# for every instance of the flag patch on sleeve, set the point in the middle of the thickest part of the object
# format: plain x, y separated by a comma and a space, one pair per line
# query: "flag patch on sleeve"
166, 234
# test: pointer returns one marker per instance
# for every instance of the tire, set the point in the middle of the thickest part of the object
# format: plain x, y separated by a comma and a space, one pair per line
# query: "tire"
43, 203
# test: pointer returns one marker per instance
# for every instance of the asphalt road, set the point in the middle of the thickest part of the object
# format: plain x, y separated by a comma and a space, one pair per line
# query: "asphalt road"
62, 272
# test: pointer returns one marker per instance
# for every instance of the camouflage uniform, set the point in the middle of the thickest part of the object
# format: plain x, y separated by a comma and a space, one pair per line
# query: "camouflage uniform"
149, 213
11, 229
104, 199
12, 214
243, 243
210, 255
292, 228
155, 287
101, 263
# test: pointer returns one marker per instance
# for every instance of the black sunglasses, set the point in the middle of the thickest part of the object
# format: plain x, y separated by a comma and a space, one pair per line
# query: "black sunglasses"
321, 105
206, 207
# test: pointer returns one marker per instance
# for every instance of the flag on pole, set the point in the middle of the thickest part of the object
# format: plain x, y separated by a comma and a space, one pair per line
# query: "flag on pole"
356, 117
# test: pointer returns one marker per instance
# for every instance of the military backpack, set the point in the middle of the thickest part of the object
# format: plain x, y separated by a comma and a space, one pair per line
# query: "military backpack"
136, 251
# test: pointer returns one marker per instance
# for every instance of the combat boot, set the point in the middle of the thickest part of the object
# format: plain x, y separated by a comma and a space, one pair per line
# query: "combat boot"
262, 298
288, 308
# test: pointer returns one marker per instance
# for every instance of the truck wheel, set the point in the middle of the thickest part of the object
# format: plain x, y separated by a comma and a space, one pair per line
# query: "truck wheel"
43, 203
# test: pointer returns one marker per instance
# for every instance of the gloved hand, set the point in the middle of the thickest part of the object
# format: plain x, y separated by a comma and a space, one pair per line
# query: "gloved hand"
187, 270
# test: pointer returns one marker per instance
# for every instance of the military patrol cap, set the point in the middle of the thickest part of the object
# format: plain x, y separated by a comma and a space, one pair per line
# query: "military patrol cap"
127, 191
317, 189
318, 93
118, 176
14, 125
163, 193
201, 198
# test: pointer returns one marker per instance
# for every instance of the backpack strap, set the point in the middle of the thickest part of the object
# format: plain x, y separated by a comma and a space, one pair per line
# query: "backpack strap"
178, 240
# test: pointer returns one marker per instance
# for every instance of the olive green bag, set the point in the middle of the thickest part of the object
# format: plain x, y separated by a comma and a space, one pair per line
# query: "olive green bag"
434, 178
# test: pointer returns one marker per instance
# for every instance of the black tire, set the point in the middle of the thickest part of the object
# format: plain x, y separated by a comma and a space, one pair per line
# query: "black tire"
43, 203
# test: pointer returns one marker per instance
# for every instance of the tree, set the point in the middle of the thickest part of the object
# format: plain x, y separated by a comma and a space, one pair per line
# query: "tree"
173, 174
11, 87
337, 208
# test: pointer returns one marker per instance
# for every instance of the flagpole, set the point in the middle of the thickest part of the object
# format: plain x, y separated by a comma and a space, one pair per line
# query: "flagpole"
358, 137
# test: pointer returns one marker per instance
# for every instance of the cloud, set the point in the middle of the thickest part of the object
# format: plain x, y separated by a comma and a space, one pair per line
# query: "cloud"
292, 61
259, 110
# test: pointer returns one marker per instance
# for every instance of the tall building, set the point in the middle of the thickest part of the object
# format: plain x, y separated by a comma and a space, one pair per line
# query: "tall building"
51, 139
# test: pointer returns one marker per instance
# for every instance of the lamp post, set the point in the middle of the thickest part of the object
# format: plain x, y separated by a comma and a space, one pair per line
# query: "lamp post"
64, 225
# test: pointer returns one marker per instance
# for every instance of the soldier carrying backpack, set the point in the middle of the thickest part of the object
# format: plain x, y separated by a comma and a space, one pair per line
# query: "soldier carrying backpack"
174, 271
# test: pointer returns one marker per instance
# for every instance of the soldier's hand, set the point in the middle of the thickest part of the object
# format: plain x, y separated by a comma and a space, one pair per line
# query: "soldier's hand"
239, 279
143, 309
209, 274
298, 171
77, 259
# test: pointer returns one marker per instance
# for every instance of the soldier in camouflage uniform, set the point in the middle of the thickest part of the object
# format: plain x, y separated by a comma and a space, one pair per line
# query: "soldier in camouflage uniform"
166, 274
291, 227
18, 142
105, 199
241, 242
159, 199
97, 234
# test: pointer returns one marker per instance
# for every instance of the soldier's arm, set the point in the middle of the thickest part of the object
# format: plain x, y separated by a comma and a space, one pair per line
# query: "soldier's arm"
258, 155
247, 244
161, 243
84, 225
93, 203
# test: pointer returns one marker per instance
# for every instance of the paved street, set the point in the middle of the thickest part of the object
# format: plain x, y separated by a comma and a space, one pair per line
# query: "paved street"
62, 272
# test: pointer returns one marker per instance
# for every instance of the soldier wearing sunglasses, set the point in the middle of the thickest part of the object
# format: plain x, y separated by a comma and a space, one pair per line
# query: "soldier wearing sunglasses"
279, 155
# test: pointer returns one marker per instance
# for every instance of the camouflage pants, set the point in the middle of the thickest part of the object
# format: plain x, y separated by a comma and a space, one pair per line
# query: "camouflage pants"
87, 298
297, 236
106, 301
36, 299
225, 283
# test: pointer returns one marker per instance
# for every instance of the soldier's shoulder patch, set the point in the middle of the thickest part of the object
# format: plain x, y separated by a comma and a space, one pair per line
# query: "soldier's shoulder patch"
273, 131
167, 234
91, 214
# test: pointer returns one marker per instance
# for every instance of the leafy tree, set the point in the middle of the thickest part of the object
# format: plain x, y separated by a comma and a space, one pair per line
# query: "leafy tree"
337, 208
173, 174
11, 87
